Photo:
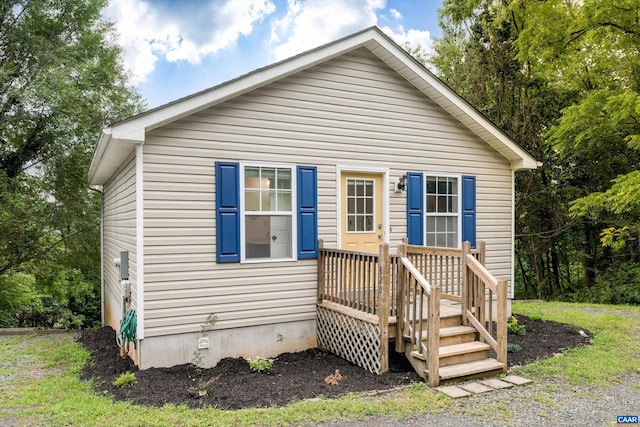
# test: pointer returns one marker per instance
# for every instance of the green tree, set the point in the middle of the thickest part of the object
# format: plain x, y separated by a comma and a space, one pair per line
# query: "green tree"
61, 80
562, 77
592, 47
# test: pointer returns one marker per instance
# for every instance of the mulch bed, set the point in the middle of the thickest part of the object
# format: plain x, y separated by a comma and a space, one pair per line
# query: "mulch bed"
294, 376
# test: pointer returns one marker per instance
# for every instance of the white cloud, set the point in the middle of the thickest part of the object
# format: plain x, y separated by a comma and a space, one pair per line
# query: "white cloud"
180, 31
412, 39
312, 23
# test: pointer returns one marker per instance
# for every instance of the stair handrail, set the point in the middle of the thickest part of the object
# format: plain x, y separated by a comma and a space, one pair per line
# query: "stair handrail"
410, 314
475, 306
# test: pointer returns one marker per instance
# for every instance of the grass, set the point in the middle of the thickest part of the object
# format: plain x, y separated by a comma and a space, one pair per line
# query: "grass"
614, 351
60, 398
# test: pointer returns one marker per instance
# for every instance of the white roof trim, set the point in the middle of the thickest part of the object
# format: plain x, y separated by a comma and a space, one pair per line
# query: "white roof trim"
117, 141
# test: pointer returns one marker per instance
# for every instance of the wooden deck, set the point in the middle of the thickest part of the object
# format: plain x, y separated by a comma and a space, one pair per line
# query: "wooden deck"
364, 300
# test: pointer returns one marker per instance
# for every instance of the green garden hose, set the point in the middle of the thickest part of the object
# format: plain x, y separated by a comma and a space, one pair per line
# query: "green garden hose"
127, 332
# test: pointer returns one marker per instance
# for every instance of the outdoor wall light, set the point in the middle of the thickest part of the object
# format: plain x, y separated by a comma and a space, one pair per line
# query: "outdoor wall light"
402, 183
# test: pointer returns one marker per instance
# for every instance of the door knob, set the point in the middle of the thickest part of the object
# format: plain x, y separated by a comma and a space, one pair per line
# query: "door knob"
274, 238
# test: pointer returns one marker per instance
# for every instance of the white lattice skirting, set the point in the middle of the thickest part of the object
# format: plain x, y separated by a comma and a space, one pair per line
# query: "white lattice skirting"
352, 339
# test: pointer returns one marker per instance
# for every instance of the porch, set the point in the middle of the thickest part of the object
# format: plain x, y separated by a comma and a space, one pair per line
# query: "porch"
441, 307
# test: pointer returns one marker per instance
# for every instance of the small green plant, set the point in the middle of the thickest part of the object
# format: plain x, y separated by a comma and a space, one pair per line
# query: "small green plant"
198, 364
514, 328
208, 323
125, 380
513, 347
279, 337
260, 364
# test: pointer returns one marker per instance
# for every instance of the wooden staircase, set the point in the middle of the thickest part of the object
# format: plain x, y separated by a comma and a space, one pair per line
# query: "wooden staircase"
460, 354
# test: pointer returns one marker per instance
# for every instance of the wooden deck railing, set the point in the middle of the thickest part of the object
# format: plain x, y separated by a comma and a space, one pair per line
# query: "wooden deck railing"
361, 281
480, 290
442, 266
410, 286
415, 293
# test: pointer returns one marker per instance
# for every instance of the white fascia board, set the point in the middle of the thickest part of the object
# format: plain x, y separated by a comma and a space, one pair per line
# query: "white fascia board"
103, 142
521, 158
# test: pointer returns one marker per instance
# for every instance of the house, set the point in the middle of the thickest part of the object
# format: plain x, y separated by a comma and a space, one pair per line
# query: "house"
220, 198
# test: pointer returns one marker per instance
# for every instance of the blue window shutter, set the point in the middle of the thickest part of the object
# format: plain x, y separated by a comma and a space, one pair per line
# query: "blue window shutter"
415, 208
469, 209
227, 212
307, 182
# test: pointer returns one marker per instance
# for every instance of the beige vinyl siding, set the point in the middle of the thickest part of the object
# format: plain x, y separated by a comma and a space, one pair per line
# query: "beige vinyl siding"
352, 111
119, 235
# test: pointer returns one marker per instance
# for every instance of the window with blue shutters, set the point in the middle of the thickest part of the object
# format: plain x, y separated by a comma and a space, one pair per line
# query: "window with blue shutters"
441, 209
265, 212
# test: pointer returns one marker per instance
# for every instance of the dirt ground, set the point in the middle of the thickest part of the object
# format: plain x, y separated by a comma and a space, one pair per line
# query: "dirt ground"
294, 376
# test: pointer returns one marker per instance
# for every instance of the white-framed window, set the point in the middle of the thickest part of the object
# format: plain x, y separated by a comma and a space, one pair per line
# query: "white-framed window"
442, 210
267, 207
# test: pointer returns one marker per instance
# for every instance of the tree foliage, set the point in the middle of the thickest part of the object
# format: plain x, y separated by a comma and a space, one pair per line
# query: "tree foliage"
563, 78
61, 80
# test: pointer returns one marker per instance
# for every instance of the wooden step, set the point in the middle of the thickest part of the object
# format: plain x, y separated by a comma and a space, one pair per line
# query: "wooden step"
459, 353
452, 335
463, 348
450, 320
456, 335
488, 366
463, 353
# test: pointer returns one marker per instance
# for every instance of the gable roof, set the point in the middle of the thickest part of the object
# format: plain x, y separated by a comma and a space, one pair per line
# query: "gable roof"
118, 140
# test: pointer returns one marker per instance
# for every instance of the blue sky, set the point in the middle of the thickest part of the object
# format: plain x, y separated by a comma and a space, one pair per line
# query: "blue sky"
177, 47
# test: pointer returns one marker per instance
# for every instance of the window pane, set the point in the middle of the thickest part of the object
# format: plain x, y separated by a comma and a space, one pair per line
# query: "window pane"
351, 187
351, 206
441, 240
351, 223
431, 185
268, 176
360, 223
453, 186
267, 236
257, 243
265, 202
284, 179
431, 203
369, 205
368, 223
251, 177
452, 242
284, 201
442, 185
441, 225
369, 188
360, 206
454, 204
431, 239
452, 223
359, 188
252, 200
442, 204
431, 224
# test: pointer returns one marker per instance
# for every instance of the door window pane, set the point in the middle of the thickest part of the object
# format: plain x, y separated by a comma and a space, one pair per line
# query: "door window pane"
360, 204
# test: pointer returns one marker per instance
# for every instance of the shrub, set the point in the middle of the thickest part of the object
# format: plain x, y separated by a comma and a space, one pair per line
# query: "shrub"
260, 364
514, 328
513, 348
125, 380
